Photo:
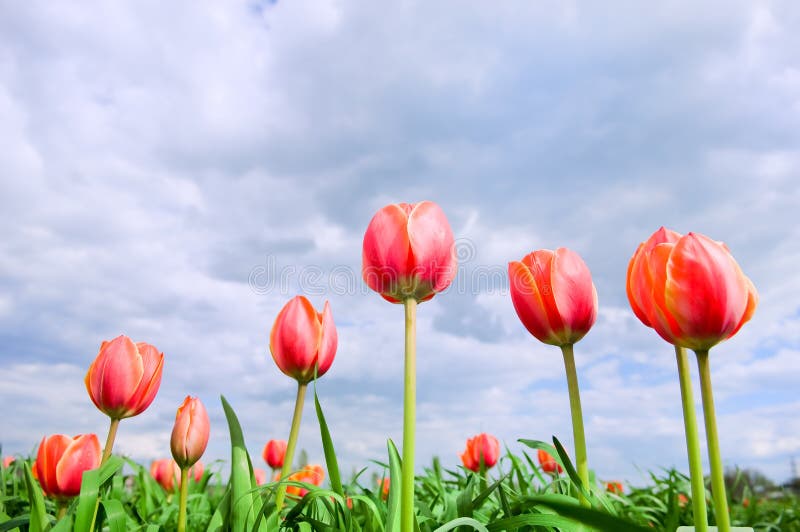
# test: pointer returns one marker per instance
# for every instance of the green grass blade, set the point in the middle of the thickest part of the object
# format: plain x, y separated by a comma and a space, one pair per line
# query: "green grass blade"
91, 483
462, 521
243, 508
115, 515
38, 517
327, 446
395, 480
597, 519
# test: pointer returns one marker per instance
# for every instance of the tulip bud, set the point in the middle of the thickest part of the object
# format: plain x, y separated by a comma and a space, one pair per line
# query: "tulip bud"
303, 338
483, 446
124, 378
689, 289
61, 461
614, 487
553, 295
383, 484
274, 453
548, 463
190, 433
409, 252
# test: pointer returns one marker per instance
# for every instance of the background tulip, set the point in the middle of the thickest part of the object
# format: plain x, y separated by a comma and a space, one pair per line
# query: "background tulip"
124, 378
689, 289
310, 474
61, 461
303, 338
260, 475
167, 473
190, 432
7, 460
483, 446
548, 463
409, 252
383, 486
553, 294
614, 487
274, 452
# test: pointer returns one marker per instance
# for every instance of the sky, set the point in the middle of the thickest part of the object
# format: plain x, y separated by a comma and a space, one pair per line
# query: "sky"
177, 171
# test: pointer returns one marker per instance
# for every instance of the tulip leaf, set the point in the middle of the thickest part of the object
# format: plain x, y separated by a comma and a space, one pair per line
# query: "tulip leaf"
327, 446
245, 504
462, 521
220, 517
38, 518
597, 519
91, 482
395, 482
115, 515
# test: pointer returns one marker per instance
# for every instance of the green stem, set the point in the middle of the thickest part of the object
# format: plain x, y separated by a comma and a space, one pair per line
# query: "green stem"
184, 496
290, 445
62, 511
692, 442
712, 439
112, 434
577, 419
409, 417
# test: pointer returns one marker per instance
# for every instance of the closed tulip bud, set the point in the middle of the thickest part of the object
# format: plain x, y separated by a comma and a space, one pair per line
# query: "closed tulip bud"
383, 484
483, 446
303, 338
548, 463
689, 289
274, 453
409, 252
190, 433
553, 294
124, 378
61, 461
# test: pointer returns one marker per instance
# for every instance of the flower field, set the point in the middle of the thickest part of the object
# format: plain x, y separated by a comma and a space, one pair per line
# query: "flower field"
688, 288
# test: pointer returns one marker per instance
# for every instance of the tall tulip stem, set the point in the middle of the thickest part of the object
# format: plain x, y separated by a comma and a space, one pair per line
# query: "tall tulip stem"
112, 434
577, 418
409, 417
290, 445
692, 442
712, 439
184, 497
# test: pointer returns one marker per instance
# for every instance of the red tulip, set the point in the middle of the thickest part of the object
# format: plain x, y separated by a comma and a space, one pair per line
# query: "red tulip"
409, 252
483, 445
683, 500
190, 432
553, 295
383, 484
274, 453
301, 338
61, 461
548, 463
124, 378
614, 487
261, 476
689, 289
310, 474
167, 472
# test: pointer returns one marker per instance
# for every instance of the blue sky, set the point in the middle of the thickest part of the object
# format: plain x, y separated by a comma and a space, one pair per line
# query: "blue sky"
158, 159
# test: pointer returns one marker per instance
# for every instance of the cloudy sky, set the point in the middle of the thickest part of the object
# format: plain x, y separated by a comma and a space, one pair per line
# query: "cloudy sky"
177, 171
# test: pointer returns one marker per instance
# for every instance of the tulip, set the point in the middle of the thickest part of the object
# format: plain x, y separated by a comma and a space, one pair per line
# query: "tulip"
61, 461
123, 380
483, 447
409, 252
555, 298
302, 341
167, 473
274, 452
261, 476
683, 500
383, 486
408, 257
548, 463
690, 289
614, 487
190, 432
7, 461
310, 474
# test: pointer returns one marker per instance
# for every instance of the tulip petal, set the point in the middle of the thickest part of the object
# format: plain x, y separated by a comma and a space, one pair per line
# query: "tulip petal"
660, 319
705, 291
574, 294
82, 454
387, 254
120, 372
529, 303
50, 451
432, 246
153, 366
327, 348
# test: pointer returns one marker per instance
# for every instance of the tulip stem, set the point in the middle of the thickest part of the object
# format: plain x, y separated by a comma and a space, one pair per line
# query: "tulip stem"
184, 496
409, 417
290, 445
112, 434
712, 439
577, 419
692, 442
62, 511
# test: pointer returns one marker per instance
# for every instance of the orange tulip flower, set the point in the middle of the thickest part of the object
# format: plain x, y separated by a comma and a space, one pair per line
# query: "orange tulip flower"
190, 433
483, 446
303, 338
548, 463
61, 461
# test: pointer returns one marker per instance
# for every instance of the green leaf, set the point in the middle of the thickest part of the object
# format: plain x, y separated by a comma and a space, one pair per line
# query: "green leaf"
115, 515
462, 521
327, 446
91, 483
588, 516
38, 517
395, 482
